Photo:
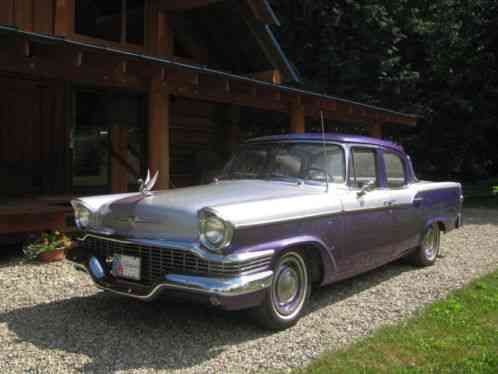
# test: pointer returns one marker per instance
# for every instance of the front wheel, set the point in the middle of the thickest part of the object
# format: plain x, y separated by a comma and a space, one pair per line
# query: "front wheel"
427, 252
286, 298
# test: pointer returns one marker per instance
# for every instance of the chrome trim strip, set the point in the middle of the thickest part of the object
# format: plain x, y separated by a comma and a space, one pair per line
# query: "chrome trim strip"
287, 219
194, 248
237, 286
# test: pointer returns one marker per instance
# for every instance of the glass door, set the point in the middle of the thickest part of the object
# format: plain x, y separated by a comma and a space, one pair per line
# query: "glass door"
108, 141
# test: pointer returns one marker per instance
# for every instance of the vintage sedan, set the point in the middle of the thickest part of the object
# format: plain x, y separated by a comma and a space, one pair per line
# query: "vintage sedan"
288, 212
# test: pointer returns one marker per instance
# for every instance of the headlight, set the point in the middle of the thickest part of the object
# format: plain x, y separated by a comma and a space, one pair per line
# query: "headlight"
82, 215
215, 234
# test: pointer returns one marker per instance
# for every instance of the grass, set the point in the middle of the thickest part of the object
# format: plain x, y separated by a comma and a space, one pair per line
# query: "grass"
456, 335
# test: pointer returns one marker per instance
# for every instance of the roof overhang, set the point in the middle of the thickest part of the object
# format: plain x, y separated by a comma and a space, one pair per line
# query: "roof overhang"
62, 56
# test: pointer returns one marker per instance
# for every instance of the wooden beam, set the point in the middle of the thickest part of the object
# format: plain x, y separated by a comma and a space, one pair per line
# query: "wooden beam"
274, 76
181, 5
64, 17
159, 33
119, 146
375, 130
297, 117
24, 14
65, 69
43, 14
7, 13
159, 125
263, 12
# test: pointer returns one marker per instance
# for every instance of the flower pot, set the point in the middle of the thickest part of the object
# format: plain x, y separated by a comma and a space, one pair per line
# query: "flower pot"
51, 256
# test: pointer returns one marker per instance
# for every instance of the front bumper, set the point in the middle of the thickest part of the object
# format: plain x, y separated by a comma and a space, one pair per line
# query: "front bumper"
217, 287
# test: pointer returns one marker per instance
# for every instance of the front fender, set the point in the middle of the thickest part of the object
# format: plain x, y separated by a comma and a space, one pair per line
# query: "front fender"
308, 242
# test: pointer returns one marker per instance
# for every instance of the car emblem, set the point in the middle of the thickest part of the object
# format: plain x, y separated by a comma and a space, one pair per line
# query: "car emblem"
145, 187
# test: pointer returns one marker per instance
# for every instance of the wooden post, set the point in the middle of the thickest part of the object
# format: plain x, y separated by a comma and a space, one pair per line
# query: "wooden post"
24, 14
297, 118
119, 146
159, 42
64, 17
158, 133
375, 130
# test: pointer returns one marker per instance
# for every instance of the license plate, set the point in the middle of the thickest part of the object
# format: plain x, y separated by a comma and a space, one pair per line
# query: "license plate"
126, 267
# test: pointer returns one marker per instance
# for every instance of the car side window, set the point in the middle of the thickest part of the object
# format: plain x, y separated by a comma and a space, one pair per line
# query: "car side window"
363, 167
395, 170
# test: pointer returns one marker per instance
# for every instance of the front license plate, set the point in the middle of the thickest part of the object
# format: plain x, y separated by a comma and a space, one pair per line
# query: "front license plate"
126, 267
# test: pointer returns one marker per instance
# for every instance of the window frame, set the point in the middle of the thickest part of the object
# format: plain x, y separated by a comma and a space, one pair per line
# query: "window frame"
350, 168
403, 163
122, 44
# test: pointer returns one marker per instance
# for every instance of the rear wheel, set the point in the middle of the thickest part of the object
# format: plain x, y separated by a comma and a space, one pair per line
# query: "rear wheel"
426, 254
286, 298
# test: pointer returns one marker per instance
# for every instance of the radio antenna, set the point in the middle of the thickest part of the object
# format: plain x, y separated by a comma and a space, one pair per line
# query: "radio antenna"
324, 151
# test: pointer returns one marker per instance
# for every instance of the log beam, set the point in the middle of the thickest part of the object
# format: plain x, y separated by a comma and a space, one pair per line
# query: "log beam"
181, 5
375, 130
119, 146
297, 117
64, 17
159, 124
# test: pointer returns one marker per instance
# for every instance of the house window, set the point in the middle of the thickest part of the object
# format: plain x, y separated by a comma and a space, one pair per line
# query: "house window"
121, 21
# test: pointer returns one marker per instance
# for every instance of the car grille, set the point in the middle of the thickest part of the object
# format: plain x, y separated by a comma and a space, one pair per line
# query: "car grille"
157, 262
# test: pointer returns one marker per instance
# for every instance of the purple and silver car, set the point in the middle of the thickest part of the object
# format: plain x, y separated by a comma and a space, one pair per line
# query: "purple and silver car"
287, 213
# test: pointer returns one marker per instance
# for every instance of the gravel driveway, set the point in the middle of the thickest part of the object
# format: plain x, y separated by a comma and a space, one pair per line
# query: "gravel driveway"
53, 320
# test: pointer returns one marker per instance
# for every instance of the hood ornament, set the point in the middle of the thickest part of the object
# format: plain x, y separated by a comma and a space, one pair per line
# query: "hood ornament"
145, 187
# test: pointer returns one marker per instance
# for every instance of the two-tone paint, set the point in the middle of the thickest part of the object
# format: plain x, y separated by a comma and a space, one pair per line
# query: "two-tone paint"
345, 233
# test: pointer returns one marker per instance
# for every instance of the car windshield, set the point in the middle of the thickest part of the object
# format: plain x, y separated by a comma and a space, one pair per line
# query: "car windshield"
288, 161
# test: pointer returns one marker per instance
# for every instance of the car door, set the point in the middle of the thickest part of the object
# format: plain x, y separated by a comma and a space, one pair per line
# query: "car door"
368, 221
406, 213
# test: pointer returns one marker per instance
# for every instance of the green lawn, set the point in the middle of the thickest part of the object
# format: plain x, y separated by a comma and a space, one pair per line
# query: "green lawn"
456, 335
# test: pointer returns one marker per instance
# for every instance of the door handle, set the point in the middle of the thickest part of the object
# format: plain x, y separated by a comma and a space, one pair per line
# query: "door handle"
389, 202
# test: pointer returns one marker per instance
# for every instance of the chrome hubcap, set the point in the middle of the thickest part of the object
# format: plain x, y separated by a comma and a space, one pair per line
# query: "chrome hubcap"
431, 243
290, 285
287, 285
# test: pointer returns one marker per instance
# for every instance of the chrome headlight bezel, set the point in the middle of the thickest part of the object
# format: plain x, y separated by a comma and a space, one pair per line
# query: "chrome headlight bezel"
83, 215
208, 217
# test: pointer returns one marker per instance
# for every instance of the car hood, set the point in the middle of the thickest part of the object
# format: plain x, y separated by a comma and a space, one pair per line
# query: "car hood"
173, 214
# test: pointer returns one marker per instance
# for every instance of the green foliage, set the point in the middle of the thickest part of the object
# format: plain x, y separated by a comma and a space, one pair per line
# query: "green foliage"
456, 335
435, 58
47, 241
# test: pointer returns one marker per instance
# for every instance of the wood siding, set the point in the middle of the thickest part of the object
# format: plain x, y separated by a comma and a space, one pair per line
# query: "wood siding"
194, 138
32, 137
29, 15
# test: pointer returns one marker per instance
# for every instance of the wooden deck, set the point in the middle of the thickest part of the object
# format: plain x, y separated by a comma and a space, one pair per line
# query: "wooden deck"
31, 215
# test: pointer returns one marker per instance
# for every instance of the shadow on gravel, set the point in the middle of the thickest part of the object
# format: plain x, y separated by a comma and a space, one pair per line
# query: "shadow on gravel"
123, 334
10, 254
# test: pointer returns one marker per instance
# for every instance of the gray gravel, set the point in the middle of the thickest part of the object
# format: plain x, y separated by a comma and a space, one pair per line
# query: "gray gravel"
53, 320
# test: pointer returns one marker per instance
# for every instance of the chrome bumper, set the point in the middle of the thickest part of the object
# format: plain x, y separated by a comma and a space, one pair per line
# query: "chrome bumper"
220, 287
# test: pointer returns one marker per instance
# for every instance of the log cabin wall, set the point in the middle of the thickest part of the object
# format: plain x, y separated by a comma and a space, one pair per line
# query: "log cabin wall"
29, 15
194, 137
33, 151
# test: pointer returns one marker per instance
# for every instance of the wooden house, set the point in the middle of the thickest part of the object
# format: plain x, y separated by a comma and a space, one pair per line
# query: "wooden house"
93, 93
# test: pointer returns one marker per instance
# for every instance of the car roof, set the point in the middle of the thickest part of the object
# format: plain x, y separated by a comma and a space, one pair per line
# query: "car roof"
330, 137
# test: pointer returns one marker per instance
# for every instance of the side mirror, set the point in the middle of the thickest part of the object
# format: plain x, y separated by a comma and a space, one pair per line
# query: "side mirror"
367, 187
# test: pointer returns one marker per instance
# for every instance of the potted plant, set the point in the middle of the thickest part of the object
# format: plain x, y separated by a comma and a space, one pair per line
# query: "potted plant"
48, 247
